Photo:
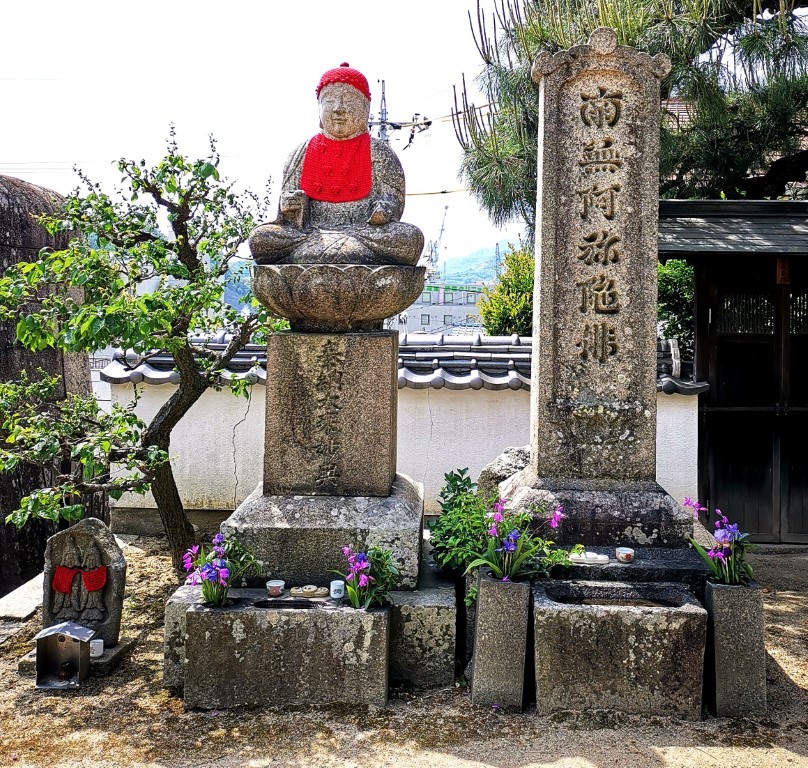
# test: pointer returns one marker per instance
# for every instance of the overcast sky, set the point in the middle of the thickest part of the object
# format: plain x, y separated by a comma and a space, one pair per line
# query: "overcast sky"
88, 82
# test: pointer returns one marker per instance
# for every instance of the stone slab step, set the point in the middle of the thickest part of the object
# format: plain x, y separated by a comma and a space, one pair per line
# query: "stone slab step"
22, 603
650, 564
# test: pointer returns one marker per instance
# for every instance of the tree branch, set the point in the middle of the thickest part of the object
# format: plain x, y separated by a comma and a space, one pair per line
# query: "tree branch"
773, 183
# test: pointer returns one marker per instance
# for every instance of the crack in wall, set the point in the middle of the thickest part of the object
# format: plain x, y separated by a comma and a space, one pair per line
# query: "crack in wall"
235, 427
429, 439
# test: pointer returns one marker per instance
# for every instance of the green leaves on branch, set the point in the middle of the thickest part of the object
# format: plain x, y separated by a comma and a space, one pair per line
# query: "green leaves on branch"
124, 282
739, 82
143, 270
676, 304
75, 444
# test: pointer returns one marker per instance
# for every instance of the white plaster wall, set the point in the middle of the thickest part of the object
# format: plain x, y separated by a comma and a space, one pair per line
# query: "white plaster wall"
217, 449
443, 429
677, 459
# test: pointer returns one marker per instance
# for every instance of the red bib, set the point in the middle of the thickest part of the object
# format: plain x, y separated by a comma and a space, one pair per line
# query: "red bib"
337, 171
63, 579
94, 579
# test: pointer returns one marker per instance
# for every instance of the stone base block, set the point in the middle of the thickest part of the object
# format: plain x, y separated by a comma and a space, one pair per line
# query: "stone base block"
423, 637
636, 648
605, 512
260, 652
737, 659
300, 538
174, 634
500, 643
99, 667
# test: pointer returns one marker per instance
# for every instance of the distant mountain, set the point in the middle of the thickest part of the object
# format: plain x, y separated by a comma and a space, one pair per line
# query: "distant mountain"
476, 267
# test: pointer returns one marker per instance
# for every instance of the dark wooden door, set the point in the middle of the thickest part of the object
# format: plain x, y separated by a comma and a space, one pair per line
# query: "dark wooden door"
753, 348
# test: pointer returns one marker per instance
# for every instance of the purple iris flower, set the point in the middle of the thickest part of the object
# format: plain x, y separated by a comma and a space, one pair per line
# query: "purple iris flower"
189, 557
208, 572
492, 531
723, 536
218, 540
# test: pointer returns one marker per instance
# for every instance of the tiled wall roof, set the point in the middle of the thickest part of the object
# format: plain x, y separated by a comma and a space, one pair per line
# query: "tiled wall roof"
424, 361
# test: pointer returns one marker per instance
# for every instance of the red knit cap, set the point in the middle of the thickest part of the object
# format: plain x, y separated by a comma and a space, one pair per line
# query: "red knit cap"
345, 73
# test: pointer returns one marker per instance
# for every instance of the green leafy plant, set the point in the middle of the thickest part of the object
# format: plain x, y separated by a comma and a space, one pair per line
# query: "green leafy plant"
508, 307
676, 304
218, 566
460, 531
144, 270
727, 559
737, 94
370, 576
513, 549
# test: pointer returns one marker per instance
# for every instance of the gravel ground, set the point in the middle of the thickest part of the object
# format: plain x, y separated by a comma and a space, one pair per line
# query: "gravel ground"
127, 719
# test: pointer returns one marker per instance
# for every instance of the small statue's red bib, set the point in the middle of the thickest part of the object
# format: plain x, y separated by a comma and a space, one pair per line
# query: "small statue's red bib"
94, 579
337, 171
63, 579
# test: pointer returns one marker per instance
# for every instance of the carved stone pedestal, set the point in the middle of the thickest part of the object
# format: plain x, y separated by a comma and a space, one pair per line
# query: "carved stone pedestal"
300, 538
331, 413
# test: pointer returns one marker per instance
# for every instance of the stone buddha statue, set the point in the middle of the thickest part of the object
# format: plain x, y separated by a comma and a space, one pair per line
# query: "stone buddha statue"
343, 192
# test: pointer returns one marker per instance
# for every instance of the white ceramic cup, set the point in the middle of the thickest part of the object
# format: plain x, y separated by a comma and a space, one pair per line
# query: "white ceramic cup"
337, 589
275, 587
96, 648
624, 554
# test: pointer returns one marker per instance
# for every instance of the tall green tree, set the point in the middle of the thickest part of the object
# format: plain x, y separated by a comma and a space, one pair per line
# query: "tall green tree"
144, 270
508, 307
739, 75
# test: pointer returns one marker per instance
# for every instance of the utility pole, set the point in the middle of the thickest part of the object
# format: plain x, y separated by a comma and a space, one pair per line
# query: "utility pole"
418, 124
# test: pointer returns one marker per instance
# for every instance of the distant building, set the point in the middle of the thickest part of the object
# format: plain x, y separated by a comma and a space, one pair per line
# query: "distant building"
441, 307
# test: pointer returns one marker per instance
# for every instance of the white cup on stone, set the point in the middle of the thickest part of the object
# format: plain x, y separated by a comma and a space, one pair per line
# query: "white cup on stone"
337, 590
275, 587
624, 554
96, 648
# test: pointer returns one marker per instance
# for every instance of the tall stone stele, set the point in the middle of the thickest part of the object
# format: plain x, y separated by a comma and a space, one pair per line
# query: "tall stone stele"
593, 397
336, 262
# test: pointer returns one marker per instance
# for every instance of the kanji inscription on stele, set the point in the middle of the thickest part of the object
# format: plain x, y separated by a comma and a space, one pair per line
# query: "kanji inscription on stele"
594, 391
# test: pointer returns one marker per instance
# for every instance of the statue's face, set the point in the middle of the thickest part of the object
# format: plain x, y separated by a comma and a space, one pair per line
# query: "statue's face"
343, 111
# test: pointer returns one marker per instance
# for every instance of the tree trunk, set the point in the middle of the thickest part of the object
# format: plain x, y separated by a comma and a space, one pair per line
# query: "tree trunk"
178, 529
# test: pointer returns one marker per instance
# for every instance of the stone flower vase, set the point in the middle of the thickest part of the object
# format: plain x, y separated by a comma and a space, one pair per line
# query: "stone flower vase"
735, 669
500, 642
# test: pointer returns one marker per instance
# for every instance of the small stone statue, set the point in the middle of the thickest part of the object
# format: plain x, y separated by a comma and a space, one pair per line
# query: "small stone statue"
85, 578
93, 580
343, 191
66, 587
